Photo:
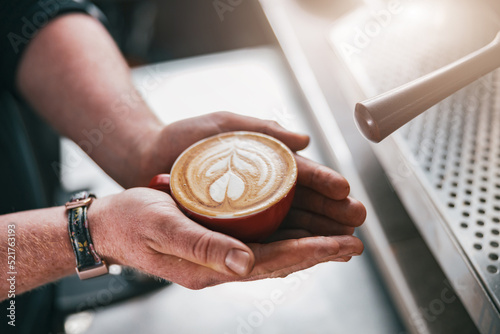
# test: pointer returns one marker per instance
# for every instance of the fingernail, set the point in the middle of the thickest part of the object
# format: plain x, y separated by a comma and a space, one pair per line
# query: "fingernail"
238, 261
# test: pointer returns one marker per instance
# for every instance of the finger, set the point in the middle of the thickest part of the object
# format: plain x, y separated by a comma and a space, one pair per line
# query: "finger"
347, 211
188, 240
281, 258
227, 121
288, 253
277, 259
314, 223
349, 245
321, 179
273, 257
311, 263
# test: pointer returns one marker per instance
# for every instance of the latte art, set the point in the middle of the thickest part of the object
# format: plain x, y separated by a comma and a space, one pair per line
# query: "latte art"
233, 174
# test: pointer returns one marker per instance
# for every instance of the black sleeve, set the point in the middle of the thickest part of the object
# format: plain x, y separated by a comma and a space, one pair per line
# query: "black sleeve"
20, 20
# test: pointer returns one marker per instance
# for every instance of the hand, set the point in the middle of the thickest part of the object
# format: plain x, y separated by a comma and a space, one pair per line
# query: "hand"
143, 228
161, 148
154, 236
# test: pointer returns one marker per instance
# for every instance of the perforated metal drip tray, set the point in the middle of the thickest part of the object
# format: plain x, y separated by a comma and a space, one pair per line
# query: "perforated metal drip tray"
452, 151
456, 147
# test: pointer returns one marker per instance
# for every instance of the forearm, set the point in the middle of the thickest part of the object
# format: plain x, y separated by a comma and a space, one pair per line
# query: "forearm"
35, 249
73, 74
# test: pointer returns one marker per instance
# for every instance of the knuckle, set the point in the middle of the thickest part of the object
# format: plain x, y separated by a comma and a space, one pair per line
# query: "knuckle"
201, 247
274, 124
222, 118
270, 127
325, 251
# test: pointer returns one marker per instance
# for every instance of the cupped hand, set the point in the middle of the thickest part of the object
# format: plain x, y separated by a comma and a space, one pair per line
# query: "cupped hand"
160, 240
143, 228
161, 149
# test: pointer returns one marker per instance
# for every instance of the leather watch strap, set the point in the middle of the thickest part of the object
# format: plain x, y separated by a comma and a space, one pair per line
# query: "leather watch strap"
88, 262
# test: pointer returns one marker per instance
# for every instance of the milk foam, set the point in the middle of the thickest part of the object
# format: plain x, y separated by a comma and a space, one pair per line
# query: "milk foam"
233, 173
229, 185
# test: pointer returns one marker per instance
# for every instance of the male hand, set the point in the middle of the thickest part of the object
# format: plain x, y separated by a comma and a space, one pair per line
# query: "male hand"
160, 149
143, 228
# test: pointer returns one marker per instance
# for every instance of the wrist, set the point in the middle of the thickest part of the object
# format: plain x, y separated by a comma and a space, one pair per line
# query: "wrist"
152, 159
137, 156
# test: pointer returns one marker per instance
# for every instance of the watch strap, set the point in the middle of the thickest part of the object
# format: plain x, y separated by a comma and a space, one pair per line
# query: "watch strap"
88, 262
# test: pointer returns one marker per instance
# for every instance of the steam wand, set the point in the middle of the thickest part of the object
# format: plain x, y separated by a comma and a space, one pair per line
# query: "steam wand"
381, 115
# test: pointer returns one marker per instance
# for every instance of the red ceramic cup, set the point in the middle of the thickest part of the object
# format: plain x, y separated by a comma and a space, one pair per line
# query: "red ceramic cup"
253, 227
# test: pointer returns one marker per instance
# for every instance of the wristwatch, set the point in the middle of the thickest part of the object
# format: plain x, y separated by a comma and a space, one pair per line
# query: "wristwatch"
88, 263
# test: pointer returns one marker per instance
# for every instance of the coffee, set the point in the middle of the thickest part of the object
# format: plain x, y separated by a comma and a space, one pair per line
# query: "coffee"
233, 174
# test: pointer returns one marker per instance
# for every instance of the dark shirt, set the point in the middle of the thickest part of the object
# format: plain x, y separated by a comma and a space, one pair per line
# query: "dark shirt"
20, 20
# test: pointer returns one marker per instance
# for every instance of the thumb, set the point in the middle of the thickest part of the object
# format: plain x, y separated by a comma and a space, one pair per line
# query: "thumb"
233, 122
220, 252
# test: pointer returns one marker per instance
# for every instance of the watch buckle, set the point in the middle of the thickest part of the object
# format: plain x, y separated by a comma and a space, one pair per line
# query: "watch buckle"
79, 203
98, 270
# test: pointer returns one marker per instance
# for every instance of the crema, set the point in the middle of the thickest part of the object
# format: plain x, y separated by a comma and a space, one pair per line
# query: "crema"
233, 174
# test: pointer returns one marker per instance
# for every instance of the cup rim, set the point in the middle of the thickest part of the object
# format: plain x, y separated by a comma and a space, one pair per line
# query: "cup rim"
235, 216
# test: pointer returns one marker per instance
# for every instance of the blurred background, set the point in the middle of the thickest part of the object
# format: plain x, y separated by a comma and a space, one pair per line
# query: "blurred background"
152, 31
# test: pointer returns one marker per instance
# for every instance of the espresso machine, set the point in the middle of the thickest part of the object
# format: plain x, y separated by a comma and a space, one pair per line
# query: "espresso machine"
419, 80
